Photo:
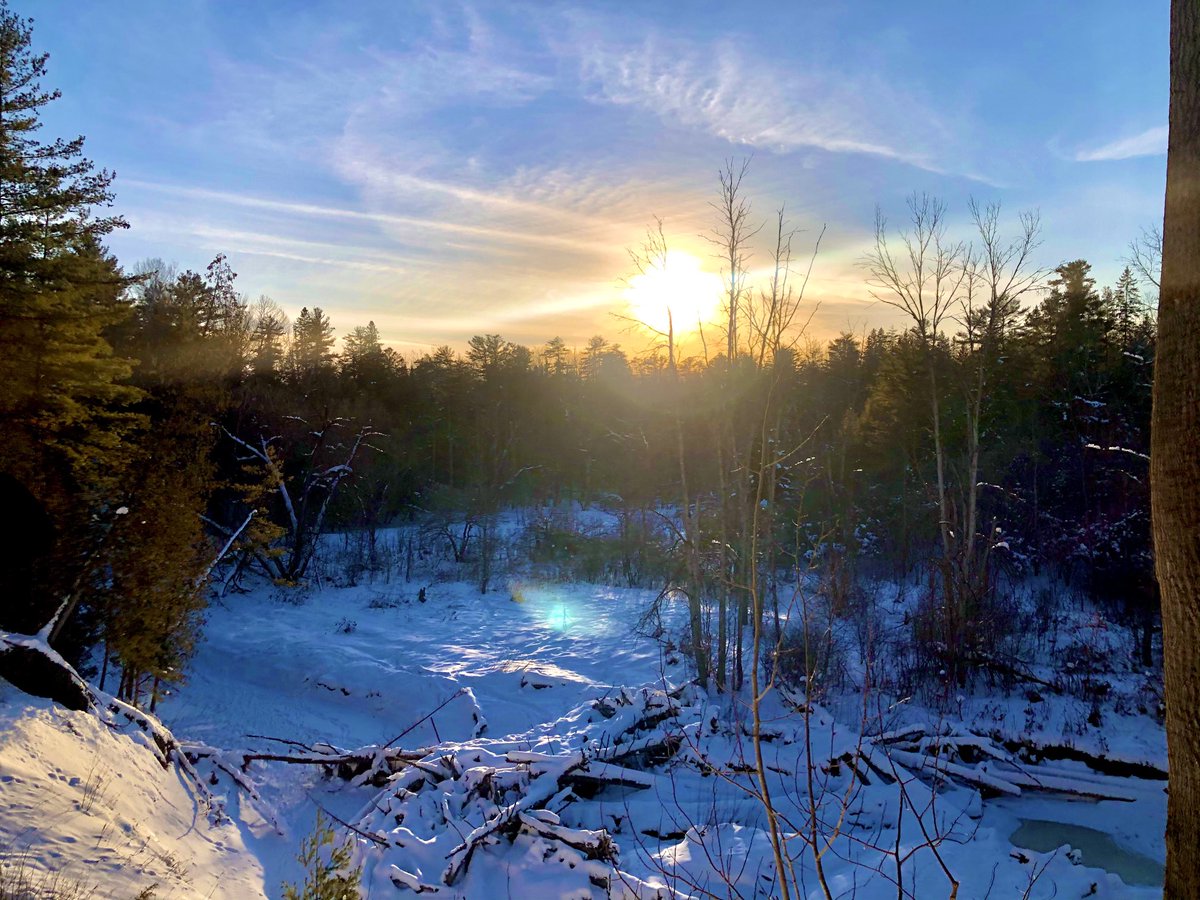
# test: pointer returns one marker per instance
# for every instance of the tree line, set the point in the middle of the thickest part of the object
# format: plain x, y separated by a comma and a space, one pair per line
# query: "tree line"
155, 418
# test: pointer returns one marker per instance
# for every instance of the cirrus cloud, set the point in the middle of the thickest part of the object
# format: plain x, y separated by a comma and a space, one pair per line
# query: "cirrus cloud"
1151, 142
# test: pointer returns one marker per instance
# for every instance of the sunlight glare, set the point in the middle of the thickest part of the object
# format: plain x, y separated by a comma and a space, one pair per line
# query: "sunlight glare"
677, 290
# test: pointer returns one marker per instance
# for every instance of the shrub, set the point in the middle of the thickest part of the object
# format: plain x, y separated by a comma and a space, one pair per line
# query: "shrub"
810, 657
634, 556
384, 601
330, 873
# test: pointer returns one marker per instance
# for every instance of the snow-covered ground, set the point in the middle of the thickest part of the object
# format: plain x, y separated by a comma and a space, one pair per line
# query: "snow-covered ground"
556, 674
82, 807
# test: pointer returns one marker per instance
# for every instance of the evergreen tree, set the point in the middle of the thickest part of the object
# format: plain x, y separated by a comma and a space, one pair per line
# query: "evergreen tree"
593, 355
487, 353
555, 356
1127, 307
153, 597
365, 361
330, 873
62, 395
311, 353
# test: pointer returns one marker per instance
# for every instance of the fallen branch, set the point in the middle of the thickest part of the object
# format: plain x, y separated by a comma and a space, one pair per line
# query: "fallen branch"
541, 790
378, 763
592, 844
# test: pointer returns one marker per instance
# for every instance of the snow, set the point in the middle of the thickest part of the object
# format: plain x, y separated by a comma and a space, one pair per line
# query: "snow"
513, 691
79, 799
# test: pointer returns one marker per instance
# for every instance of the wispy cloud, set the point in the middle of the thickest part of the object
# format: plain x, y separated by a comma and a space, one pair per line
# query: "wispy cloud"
489, 168
338, 255
415, 226
1151, 142
718, 89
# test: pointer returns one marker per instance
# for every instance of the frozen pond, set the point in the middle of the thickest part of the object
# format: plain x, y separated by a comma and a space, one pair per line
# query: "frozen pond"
1098, 849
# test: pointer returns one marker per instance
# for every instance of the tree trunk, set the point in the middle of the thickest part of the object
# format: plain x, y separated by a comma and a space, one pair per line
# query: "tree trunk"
724, 585
1175, 454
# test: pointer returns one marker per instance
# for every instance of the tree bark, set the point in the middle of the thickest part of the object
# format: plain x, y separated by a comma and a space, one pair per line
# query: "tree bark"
1175, 454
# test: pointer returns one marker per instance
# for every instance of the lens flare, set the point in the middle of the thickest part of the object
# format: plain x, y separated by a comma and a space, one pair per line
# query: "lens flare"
558, 617
554, 609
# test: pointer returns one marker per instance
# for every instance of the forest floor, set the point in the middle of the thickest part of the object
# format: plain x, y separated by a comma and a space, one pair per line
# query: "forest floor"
558, 674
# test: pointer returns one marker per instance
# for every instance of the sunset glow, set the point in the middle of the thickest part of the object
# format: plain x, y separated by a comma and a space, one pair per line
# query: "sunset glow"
677, 291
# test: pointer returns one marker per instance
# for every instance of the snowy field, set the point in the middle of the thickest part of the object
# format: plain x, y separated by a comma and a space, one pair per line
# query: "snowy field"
536, 742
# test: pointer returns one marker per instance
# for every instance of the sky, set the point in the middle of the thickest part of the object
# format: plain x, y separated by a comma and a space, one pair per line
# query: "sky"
448, 169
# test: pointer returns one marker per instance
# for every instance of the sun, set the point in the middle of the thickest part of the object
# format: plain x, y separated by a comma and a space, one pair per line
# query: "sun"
675, 292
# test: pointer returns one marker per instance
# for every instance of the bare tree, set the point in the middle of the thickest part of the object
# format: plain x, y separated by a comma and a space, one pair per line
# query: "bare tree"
771, 318
731, 236
651, 257
1146, 255
305, 498
925, 279
933, 279
1002, 271
648, 258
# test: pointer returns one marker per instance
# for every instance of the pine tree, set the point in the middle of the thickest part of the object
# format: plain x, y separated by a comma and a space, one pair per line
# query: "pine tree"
1127, 306
365, 360
189, 343
62, 391
593, 355
487, 353
312, 344
330, 873
555, 356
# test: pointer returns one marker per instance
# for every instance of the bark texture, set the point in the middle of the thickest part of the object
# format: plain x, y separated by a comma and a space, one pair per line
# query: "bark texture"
1175, 453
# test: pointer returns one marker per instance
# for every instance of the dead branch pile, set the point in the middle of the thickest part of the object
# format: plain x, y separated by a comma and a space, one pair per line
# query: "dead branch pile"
438, 812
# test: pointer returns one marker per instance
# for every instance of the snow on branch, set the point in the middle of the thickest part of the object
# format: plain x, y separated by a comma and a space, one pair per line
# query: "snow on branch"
1144, 456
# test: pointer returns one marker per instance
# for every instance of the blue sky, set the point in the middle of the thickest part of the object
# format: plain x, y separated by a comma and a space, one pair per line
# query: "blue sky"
448, 169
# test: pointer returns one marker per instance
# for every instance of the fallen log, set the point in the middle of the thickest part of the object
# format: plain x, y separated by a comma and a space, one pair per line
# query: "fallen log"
31, 666
1105, 765
376, 763
409, 881
986, 782
592, 844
